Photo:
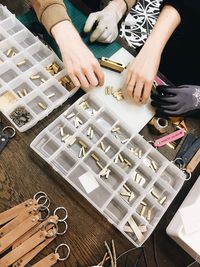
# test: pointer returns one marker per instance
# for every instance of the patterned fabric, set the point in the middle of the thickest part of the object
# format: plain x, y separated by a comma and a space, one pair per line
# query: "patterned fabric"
145, 14
196, 96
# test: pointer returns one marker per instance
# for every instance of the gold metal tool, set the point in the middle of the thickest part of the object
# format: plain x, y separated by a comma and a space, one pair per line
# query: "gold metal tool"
111, 65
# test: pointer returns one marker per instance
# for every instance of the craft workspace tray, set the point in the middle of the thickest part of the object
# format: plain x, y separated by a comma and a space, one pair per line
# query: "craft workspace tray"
116, 170
37, 97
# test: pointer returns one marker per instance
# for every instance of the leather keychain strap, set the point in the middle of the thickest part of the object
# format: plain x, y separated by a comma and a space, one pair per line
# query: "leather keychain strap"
187, 143
51, 219
4, 139
194, 162
169, 138
26, 247
191, 152
53, 258
23, 261
29, 256
12, 236
33, 210
10, 214
1, 125
6, 133
48, 261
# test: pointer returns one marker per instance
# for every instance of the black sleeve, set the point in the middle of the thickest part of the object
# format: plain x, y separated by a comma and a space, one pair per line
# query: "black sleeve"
179, 5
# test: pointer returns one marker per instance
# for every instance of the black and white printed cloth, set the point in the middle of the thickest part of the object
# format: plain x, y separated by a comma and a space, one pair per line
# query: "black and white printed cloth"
145, 14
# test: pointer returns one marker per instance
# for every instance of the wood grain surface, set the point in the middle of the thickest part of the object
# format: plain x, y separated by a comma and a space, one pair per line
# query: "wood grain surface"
22, 174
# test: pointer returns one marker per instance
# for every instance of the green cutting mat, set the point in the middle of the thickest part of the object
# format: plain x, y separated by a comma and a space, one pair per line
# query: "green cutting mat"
78, 18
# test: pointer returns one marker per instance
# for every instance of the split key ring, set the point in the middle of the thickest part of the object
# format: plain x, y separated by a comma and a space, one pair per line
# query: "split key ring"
9, 131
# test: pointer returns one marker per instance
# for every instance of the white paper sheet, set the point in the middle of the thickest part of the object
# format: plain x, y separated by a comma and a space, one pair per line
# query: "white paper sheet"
136, 116
88, 182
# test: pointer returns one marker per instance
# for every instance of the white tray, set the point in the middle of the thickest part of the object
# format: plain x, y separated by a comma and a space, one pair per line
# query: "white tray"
84, 174
13, 34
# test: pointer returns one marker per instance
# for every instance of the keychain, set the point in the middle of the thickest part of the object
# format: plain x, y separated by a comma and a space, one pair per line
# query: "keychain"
193, 162
55, 219
30, 244
27, 231
187, 151
169, 138
188, 157
21, 219
53, 258
12, 213
7, 240
6, 133
23, 216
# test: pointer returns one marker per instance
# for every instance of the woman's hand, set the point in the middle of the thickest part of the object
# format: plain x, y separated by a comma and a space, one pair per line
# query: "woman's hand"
141, 74
82, 67
143, 69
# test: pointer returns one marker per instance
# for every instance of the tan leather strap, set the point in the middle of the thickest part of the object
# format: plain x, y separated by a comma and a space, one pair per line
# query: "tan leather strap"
24, 248
48, 261
32, 231
23, 215
27, 246
10, 214
7, 240
194, 162
30, 255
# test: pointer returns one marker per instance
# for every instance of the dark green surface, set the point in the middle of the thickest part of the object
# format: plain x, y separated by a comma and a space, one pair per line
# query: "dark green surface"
78, 18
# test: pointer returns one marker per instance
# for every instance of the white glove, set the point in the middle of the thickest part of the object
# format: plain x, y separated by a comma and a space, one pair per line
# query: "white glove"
129, 21
107, 19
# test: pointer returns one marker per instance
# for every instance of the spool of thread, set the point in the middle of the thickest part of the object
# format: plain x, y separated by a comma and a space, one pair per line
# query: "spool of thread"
159, 125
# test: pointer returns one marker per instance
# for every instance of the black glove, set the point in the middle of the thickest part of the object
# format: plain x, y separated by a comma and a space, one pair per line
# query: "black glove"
183, 100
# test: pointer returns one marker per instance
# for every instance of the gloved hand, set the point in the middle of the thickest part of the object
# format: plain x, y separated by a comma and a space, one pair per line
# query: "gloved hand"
177, 101
107, 20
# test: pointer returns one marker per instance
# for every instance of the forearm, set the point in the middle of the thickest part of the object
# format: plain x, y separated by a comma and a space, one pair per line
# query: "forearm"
64, 30
121, 5
167, 22
50, 12
130, 3
143, 69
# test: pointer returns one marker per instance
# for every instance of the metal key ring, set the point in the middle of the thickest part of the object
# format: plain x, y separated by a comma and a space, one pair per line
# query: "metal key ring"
46, 202
65, 230
188, 174
180, 164
61, 208
51, 234
8, 129
42, 209
68, 252
36, 196
152, 143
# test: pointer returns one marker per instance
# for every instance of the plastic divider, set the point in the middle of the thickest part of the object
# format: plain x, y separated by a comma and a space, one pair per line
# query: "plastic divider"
25, 72
25, 38
11, 25
117, 181
4, 13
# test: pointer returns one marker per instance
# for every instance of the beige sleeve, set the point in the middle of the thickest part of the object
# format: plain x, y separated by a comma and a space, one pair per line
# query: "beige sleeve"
50, 12
130, 3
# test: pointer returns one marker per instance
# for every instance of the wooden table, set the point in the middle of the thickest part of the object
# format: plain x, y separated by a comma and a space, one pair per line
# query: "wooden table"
22, 175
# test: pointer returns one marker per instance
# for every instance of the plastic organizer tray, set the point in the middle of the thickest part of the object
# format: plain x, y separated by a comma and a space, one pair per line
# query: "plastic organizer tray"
141, 182
16, 78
